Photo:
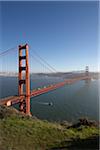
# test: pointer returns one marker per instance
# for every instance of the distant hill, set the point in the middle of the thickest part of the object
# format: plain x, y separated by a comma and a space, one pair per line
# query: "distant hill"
63, 75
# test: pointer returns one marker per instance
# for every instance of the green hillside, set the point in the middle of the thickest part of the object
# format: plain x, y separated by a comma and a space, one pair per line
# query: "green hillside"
20, 132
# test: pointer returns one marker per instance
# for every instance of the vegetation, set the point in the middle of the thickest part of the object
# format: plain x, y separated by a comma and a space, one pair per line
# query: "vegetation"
20, 132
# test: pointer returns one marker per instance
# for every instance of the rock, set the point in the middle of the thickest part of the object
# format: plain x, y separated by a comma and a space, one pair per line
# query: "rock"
84, 122
66, 124
87, 122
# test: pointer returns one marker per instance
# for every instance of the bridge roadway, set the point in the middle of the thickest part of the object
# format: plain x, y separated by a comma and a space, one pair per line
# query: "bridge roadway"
16, 99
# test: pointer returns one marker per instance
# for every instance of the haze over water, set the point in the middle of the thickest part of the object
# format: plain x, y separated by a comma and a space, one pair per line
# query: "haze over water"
68, 103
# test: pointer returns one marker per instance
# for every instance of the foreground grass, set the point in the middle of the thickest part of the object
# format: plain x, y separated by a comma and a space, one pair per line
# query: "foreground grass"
18, 132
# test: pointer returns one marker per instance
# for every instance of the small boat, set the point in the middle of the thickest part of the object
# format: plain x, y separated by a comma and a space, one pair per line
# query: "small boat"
50, 103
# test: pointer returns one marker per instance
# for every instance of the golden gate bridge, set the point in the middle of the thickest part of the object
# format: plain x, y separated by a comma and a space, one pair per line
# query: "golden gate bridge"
23, 97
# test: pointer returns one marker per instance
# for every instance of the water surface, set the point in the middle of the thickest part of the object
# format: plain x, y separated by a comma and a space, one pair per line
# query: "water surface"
69, 102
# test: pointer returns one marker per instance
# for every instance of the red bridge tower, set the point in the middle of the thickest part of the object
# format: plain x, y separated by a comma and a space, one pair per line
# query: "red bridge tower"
24, 79
87, 71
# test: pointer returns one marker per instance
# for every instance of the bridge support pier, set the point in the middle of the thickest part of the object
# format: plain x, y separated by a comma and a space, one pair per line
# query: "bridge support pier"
87, 81
87, 71
24, 79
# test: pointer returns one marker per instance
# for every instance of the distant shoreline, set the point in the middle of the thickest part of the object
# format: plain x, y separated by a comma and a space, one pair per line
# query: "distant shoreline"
95, 75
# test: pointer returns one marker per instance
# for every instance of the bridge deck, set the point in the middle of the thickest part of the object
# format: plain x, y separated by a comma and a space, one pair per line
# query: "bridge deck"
16, 99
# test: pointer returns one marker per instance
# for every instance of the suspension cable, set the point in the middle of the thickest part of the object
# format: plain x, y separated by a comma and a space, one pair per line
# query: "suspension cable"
7, 51
44, 61
41, 63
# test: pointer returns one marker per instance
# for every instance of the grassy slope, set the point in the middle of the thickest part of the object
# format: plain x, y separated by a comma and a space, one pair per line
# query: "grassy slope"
19, 132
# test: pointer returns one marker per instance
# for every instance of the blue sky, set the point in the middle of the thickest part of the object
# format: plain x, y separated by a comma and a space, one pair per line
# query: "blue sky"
63, 33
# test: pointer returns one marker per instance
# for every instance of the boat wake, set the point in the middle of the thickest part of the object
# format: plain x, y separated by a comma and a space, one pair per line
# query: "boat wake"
45, 103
